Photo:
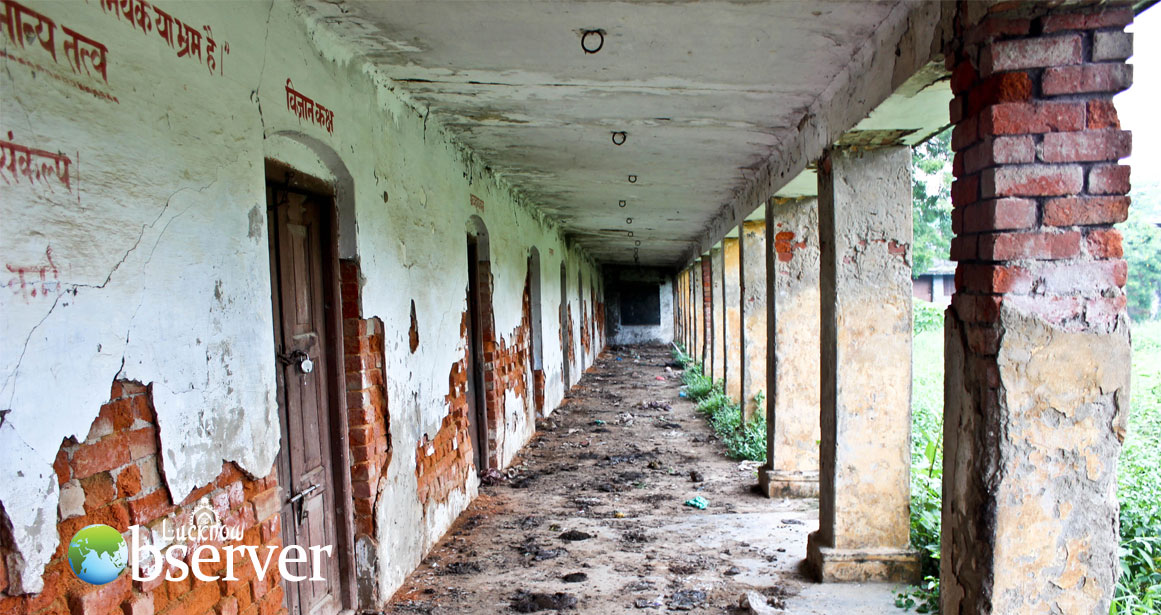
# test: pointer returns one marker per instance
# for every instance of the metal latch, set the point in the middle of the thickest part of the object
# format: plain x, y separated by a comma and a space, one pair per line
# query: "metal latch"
297, 504
305, 365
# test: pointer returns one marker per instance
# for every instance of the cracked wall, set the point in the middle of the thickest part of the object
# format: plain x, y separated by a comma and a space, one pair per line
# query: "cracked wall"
114, 475
156, 266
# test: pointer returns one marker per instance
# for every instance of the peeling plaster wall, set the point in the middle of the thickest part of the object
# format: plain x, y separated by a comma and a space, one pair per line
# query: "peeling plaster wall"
796, 319
864, 214
732, 312
754, 313
156, 264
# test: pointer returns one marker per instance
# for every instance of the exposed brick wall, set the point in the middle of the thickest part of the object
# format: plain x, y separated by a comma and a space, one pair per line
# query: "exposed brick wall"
1037, 185
571, 338
114, 477
443, 463
707, 299
538, 389
586, 332
368, 420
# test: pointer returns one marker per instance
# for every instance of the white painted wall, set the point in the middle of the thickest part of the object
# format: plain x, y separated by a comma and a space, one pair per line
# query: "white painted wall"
161, 251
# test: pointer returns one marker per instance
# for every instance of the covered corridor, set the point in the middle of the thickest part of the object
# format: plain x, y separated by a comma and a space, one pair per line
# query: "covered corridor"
316, 271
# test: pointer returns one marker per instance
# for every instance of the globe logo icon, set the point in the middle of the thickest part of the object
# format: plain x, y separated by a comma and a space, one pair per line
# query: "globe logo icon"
98, 554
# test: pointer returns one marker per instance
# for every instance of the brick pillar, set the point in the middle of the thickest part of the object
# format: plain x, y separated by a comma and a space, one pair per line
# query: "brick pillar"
732, 313
754, 314
707, 313
696, 304
865, 459
793, 383
716, 311
686, 309
1037, 337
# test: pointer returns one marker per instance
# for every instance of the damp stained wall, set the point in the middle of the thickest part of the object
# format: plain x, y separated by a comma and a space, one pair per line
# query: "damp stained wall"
618, 332
150, 262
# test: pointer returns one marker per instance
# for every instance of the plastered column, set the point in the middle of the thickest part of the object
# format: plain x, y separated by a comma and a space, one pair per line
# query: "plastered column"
732, 300
680, 304
793, 416
864, 480
1037, 337
753, 274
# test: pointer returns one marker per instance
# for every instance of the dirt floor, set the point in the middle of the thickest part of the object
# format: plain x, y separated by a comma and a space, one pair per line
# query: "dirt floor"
590, 518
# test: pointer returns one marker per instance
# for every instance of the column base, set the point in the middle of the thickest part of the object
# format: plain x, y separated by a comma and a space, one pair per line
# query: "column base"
782, 484
831, 565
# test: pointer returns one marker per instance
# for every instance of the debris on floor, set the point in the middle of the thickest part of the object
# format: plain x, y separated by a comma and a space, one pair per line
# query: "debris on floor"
462, 568
686, 600
697, 502
587, 518
527, 602
575, 536
755, 603
643, 603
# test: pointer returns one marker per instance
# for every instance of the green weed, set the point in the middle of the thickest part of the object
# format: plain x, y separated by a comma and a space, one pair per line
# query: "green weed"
741, 441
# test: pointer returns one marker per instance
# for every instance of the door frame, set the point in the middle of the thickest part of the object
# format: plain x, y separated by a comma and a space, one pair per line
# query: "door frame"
285, 176
477, 380
565, 330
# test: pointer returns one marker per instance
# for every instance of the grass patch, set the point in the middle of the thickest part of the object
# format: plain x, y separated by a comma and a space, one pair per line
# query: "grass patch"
926, 456
1138, 589
741, 441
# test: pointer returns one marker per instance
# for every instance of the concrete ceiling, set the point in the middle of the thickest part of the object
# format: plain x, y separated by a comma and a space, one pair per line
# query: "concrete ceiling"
705, 91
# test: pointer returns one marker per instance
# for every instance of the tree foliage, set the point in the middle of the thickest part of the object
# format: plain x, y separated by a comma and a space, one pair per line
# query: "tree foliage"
931, 199
1142, 245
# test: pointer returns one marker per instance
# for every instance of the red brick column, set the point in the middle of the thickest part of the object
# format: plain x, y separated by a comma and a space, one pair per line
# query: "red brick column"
368, 420
1037, 334
707, 311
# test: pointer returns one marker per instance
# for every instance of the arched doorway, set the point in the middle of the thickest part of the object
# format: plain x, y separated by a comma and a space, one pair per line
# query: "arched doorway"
537, 329
480, 331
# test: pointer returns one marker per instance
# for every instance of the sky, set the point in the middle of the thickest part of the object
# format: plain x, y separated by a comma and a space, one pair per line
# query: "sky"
1140, 106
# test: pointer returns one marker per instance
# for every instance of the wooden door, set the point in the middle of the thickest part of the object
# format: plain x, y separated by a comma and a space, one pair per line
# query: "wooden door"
299, 276
477, 400
565, 330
